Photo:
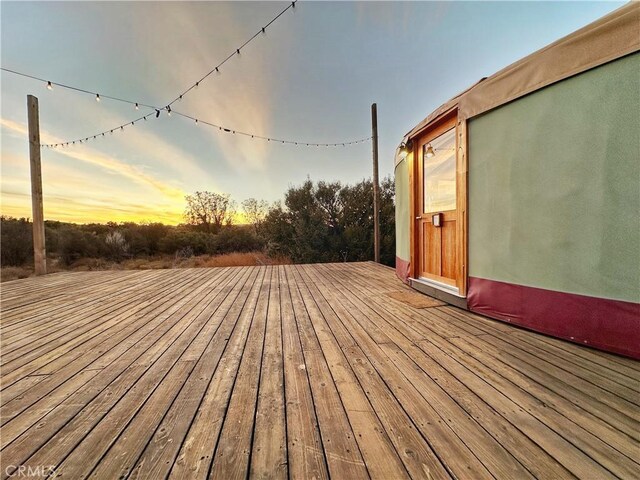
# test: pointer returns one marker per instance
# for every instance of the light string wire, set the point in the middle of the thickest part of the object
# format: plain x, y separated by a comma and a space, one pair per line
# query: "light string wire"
94, 137
50, 84
271, 139
97, 95
157, 109
292, 5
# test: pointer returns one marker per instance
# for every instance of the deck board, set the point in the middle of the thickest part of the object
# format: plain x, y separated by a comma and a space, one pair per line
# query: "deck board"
297, 371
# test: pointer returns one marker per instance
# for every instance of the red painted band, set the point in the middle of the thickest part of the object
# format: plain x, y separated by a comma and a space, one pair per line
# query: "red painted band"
402, 269
610, 325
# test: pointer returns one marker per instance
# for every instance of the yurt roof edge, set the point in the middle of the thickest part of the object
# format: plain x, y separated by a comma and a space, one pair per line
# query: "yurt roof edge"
608, 38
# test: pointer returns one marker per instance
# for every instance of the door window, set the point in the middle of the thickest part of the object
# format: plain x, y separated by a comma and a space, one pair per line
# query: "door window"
439, 174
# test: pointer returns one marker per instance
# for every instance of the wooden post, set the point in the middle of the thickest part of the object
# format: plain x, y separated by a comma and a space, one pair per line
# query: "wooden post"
39, 252
376, 186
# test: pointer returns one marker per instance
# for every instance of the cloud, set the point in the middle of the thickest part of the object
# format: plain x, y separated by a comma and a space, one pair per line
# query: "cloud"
81, 195
243, 105
18, 204
109, 163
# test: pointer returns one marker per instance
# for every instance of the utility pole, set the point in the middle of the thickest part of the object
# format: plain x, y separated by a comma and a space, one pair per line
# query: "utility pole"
376, 186
39, 253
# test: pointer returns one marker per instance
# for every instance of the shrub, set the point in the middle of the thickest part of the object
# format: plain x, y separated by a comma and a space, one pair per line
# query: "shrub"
235, 239
75, 244
16, 240
116, 245
199, 242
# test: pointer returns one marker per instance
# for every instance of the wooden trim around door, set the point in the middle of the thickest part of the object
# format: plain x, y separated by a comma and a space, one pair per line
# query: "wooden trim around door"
435, 129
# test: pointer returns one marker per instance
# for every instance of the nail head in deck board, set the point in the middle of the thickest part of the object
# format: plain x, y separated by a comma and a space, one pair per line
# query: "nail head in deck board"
117, 462
328, 359
341, 449
304, 447
83, 389
198, 449
456, 456
269, 459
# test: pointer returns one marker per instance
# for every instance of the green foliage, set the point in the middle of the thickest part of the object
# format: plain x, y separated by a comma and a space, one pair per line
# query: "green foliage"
236, 239
182, 240
331, 222
75, 244
16, 241
323, 222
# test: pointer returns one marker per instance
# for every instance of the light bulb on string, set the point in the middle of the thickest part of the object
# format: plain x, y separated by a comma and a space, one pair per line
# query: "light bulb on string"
97, 97
49, 86
137, 106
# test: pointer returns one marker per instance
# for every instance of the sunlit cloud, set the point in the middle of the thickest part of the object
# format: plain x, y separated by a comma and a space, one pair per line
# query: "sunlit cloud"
88, 155
18, 204
82, 197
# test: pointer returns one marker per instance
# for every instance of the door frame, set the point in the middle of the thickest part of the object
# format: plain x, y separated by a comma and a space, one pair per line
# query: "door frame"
434, 128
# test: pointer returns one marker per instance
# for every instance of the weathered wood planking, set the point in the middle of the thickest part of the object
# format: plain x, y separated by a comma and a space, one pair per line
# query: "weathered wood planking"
297, 371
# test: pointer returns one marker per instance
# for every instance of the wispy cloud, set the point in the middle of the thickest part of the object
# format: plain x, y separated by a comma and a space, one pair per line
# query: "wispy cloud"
84, 195
221, 99
88, 155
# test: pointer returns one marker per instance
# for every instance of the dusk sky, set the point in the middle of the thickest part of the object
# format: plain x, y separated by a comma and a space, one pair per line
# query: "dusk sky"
311, 78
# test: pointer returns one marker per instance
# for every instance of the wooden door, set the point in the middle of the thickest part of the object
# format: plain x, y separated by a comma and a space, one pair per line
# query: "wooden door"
437, 213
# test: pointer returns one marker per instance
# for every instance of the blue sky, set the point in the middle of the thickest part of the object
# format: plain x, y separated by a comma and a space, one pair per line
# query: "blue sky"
311, 78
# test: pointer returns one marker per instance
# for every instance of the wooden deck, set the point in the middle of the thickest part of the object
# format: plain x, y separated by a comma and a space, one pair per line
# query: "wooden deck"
297, 372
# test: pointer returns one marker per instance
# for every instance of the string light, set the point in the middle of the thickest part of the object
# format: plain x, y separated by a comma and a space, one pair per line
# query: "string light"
199, 121
95, 137
216, 69
270, 139
179, 97
50, 85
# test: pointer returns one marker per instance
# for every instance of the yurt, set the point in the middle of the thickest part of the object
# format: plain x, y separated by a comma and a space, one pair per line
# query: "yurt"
519, 199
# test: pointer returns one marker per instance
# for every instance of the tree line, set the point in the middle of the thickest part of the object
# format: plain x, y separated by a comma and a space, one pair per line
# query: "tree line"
316, 222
